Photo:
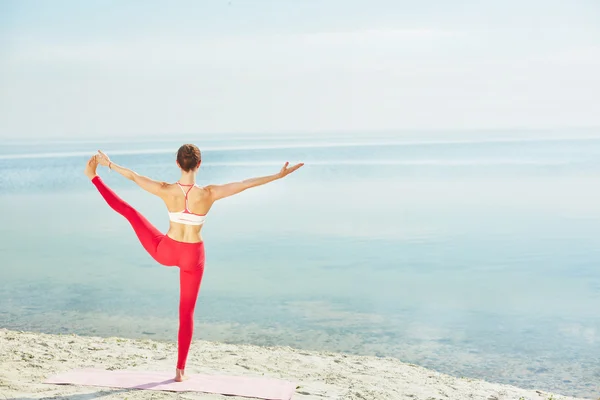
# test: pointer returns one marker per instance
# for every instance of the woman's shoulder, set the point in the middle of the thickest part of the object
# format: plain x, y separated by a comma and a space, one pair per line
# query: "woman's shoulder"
201, 190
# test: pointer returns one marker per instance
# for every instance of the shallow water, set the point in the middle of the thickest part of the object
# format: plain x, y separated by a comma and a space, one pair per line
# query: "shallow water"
473, 257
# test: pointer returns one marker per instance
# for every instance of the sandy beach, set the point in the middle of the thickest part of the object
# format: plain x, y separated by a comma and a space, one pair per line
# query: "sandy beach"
27, 359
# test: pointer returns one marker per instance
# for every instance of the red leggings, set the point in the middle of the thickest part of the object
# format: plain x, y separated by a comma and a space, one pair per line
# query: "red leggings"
189, 257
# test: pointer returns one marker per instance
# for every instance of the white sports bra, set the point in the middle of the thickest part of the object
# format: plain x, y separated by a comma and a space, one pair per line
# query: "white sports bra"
186, 217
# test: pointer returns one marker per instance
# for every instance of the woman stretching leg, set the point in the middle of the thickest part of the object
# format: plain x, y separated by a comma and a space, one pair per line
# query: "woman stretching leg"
189, 257
182, 245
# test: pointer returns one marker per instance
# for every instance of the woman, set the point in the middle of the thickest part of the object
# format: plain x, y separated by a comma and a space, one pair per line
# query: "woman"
182, 246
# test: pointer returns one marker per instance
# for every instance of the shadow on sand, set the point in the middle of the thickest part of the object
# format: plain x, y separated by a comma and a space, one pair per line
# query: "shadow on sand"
75, 396
90, 396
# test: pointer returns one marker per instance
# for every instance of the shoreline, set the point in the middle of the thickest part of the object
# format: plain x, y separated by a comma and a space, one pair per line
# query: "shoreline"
28, 358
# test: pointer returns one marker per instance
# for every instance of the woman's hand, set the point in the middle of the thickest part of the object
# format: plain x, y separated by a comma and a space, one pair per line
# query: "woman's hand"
103, 159
285, 171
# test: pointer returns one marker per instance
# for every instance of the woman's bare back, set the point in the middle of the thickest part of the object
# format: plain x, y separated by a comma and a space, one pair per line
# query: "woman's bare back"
199, 201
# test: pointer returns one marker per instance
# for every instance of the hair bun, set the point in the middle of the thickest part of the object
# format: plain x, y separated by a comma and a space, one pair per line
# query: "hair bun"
188, 157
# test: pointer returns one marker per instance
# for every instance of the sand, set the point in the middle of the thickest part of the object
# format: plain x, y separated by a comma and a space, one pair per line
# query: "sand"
27, 359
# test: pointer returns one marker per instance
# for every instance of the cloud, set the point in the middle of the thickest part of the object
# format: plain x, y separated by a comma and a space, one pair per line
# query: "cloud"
206, 50
360, 79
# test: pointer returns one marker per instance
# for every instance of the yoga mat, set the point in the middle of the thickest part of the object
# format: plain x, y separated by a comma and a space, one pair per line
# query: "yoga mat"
245, 386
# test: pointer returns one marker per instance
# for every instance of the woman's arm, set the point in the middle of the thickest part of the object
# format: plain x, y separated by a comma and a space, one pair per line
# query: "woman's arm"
221, 191
149, 185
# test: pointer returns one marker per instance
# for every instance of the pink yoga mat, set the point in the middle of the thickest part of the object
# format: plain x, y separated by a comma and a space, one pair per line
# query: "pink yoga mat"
245, 386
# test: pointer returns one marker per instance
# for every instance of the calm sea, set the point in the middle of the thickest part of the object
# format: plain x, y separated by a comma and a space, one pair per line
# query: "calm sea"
476, 256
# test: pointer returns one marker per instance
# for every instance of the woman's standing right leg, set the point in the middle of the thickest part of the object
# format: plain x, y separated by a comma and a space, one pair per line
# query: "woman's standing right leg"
189, 283
191, 270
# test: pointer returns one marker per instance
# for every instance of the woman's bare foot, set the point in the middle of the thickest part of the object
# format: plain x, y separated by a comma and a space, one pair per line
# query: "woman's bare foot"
179, 375
90, 167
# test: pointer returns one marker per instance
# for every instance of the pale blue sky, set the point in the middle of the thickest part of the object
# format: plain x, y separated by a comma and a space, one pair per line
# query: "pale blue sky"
133, 68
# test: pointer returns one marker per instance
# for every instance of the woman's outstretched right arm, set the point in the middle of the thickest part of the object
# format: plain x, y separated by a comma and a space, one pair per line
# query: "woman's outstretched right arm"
148, 184
221, 191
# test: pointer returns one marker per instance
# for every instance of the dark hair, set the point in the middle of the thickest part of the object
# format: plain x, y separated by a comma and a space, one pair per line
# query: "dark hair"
188, 157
